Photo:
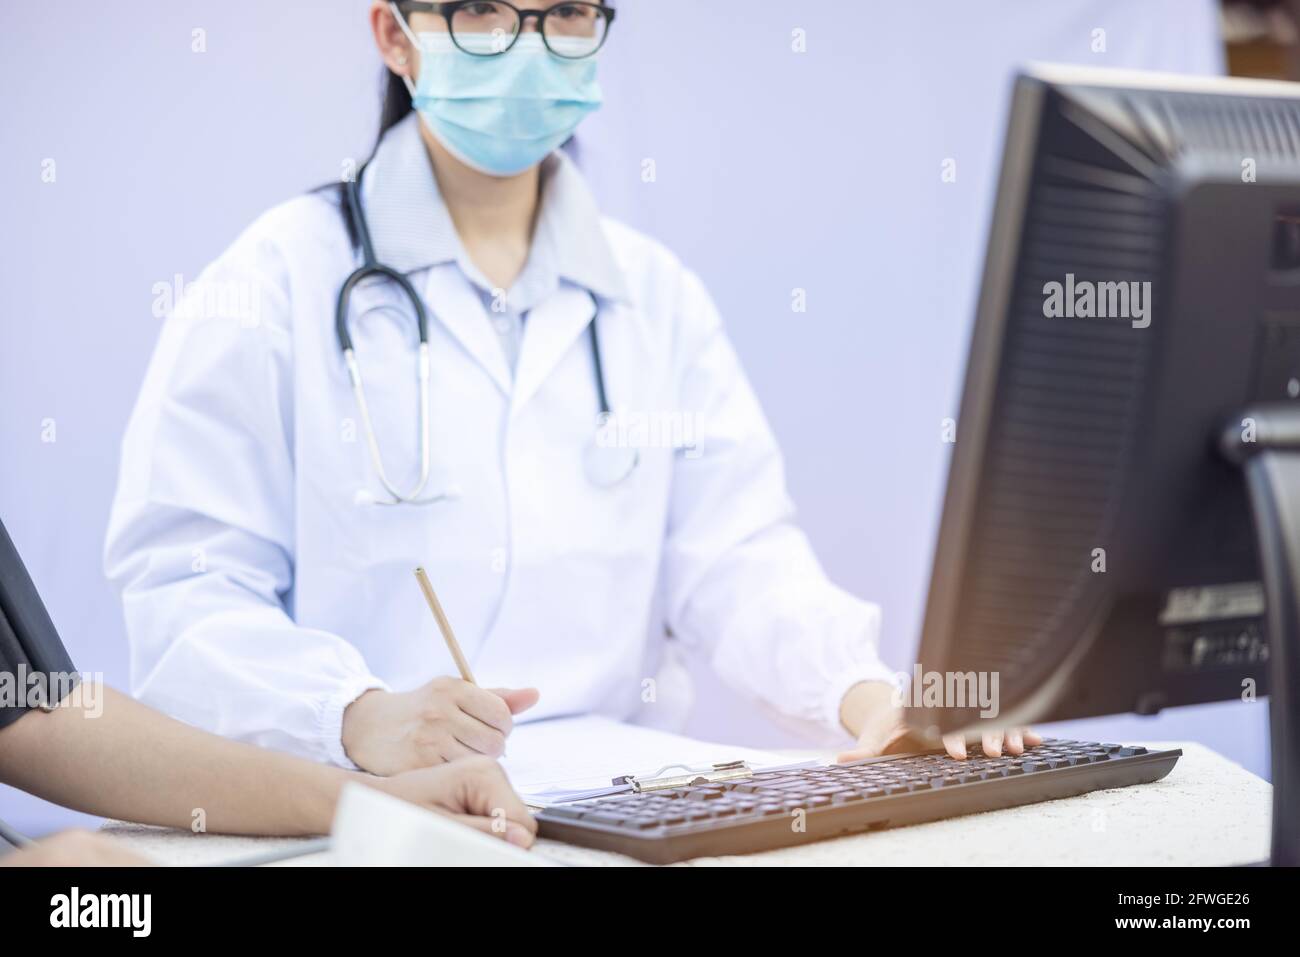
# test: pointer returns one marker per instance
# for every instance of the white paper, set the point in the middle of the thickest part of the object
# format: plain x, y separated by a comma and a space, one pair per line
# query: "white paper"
548, 759
373, 829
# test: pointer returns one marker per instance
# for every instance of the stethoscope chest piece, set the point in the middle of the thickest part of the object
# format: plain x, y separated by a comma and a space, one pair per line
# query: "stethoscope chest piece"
607, 466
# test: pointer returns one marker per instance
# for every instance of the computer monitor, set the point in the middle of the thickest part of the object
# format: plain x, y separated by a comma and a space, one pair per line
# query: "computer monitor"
1121, 528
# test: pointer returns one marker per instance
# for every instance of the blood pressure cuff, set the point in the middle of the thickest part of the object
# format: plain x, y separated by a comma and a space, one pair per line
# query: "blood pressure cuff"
35, 669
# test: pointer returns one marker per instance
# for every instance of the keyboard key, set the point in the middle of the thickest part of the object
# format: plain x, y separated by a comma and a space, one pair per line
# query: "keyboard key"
566, 811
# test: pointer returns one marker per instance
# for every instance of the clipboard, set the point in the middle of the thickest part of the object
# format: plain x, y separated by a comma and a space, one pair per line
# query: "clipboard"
562, 759
661, 780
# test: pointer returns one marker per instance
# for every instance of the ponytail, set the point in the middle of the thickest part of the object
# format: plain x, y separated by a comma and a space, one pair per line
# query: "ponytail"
397, 104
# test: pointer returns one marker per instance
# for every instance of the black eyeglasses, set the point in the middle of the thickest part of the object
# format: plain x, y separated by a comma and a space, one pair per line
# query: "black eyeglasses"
573, 31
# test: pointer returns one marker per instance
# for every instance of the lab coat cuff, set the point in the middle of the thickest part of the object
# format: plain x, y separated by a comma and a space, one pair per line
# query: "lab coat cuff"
330, 726
839, 687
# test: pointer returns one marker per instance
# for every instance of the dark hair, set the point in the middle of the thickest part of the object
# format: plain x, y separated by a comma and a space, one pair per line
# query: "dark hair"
397, 104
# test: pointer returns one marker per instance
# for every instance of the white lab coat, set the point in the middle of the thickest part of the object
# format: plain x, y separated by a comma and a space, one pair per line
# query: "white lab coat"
264, 591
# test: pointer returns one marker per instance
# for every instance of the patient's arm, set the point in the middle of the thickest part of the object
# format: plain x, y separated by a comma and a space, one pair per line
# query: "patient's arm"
75, 849
135, 764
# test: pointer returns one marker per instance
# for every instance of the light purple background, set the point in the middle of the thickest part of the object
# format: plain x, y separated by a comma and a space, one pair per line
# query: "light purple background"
776, 170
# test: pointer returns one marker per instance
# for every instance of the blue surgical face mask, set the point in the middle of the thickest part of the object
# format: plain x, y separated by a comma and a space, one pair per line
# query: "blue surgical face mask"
501, 114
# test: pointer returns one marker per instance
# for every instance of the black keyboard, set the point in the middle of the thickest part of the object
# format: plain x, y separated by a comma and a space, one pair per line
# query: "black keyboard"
785, 806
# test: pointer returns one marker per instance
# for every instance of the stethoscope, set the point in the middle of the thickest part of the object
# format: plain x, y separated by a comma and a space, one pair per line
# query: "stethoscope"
605, 465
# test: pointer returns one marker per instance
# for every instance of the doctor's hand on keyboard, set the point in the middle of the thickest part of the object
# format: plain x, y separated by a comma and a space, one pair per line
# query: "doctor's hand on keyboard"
387, 732
871, 714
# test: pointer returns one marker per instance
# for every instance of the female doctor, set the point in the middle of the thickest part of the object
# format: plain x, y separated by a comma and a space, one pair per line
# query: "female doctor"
308, 433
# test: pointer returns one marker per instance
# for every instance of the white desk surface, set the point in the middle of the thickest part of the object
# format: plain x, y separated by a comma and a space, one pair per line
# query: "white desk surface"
1207, 811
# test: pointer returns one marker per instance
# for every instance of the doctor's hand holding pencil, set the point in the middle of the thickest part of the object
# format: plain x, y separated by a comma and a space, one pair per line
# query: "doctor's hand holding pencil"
388, 732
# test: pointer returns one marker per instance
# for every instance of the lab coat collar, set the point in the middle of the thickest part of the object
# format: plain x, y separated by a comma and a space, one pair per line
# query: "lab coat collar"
553, 327
412, 228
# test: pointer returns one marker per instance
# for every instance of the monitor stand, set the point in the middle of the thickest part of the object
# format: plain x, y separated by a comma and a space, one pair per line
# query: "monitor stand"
1265, 443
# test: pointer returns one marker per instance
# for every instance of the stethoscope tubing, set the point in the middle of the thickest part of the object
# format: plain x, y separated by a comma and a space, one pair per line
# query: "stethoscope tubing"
371, 267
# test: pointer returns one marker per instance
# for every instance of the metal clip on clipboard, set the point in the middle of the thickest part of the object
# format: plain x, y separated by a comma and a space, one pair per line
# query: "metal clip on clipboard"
726, 771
